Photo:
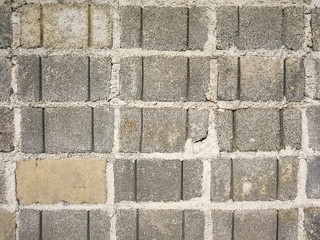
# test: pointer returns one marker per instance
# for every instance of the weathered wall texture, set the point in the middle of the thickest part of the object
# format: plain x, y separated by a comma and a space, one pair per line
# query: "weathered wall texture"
165, 120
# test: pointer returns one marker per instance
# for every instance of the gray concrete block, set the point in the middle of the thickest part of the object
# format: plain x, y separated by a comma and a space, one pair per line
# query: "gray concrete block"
29, 227
158, 180
199, 77
32, 130
224, 128
165, 78
130, 129
288, 224
317, 76
288, 178
293, 27
126, 226
315, 28
228, 76
313, 115
28, 78
64, 78
5, 79
221, 179
260, 27
7, 225
257, 129
198, 28
193, 225
312, 223
164, 130
3, 187
160, 224
164, 28
261, 79
5, 27
198, 124
192, 179
103, 127
64, 224
125, 180
131, 78
313, 177
130, 20
255, 179
100, 78
6, 129
292, 130
222, 224
255, 224
68, 129
99, 225
227, 26
295, 79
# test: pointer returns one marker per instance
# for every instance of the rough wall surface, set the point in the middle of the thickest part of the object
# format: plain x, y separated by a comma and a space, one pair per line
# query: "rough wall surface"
156, 119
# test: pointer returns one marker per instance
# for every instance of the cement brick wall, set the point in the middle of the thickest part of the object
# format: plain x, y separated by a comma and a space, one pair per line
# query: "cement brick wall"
157, 119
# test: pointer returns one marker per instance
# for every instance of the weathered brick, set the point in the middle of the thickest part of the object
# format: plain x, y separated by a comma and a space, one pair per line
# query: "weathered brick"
198, 124
165, 78
30, 26
254, 179
5, 26
154, 185
164, 28
198, 28
130, 129
257, 129
224, 120
68, 129
292, 128
295, 80
65, 78
261, 79
68, 180
3, 188
28, 82
315, 28
288, 179
5, 80
126, 225
192, 179
220, 179
65, 26
293, 27
7, 224
101, 26
255, 224
288, 224
222, 224
312, 223
103, 127
193, 225
99, 225
100, 78
199, 77
130, 20
164, 130
32, 130
160, 224
6, 129
260, 27
313, 177
65, 224
131, 78
313, 115
29, 227
125, 180
227, 26
228, 76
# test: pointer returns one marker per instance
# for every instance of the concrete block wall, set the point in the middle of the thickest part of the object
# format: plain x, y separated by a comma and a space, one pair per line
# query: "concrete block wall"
157, 119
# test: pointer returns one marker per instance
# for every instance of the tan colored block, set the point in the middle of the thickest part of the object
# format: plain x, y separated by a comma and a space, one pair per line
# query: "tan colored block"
101, 27
30, 26
65, 26
7, 225
69, 180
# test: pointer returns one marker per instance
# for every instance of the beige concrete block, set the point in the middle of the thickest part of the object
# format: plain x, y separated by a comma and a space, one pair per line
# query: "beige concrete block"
101, 27
30, 26
7, 225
